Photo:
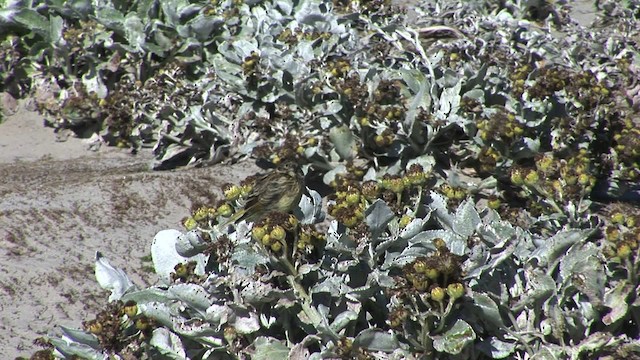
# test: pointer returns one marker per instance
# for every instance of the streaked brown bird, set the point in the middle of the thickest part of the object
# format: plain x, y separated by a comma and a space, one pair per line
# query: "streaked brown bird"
279, 190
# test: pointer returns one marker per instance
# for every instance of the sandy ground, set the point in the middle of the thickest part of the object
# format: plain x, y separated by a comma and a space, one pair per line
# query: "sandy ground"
60, 203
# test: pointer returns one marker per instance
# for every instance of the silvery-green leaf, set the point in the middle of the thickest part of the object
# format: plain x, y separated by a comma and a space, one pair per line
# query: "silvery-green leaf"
591, 344
331, 174
190, 244
168, 344
172, 155
148, 295
343, 320
285, 6
412, 229
449, 101
455, 339
29, 18
93, 84
193, 327
311, 208
376, 340
330, 107
616, 299
69, 350
439, 205
583, 268
343, 141
496, 231
248, 259
269, 349
495, 348
111, 278
159, 312
408, 255
80, 337
165, 256
110, 17
145, 8
134, 31
218, 315
455, 243
540, 287
245, 48
338, 241
550, 352
332, 285
378, 216
300, 351
475, 94
486, 262
381, 278
192, 294
554, 247
230, 73
466, 219
525, 148
488, 310
56, 26
188, 10
170, 10
247, 325
259, 293
203, 26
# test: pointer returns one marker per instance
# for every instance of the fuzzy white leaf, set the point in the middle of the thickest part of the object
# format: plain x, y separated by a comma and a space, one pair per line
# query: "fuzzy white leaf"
111, 278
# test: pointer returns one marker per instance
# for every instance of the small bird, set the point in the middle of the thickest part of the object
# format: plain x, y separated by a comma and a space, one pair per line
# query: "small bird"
279, 190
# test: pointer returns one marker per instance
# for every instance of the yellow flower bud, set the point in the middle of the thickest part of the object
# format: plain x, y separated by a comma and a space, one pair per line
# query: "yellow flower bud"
583, 179
440, 244
544, 164
225, 210
232, 193
293, 221
437, 294
432, 273
278, 233
258, 232
181, 270
230, 334
95, 328
143, 323
130, 309
455, 290
623, 251
630, 221
419, 266
611, 233
189, 223
516, 177
276, 246
352, 198
350, 221
532, 178
200, 214
494, 202
420, 283
404, 221
617, 218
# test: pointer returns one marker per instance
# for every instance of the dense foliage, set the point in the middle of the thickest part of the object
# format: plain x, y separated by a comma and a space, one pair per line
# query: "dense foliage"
460, 154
